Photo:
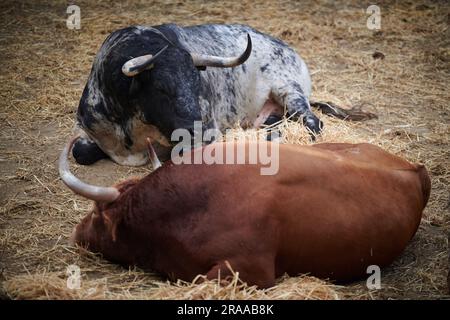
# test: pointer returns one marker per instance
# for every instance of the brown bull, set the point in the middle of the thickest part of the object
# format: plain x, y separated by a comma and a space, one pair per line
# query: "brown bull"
332, 210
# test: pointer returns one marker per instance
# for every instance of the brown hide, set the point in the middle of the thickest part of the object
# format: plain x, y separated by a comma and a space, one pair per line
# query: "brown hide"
331, 211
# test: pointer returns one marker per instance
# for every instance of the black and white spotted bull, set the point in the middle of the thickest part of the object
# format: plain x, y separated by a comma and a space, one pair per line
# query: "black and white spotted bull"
149, 81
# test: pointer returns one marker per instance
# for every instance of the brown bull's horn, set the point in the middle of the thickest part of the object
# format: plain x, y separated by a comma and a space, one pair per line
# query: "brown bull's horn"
137, 65
203, 60
152, 155
104, 194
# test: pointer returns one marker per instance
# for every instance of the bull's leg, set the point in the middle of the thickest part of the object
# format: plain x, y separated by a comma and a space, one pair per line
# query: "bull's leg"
297, 105
272, 120
270, 114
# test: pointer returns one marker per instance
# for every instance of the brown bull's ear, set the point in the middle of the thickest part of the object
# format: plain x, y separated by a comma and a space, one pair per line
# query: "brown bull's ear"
113, 217
111, 220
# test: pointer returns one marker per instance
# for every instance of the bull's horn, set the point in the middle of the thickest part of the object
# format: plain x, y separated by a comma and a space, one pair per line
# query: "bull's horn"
203, 60
104, 194
137, 65
152, 155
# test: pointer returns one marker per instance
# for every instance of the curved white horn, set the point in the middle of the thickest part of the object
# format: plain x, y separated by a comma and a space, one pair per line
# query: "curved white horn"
104, 194
152, 155
203, 60
137, 65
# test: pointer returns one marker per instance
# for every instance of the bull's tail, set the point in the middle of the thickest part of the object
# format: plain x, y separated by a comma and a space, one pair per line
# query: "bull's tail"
353, 114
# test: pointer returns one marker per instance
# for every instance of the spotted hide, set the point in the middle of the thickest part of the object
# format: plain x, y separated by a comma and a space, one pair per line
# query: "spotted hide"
149, 81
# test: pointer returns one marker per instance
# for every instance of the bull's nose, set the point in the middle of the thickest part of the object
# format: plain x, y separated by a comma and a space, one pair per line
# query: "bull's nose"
87, 152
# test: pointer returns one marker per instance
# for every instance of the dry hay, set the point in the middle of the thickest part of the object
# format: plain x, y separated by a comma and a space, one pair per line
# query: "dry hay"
45, 66
54, 285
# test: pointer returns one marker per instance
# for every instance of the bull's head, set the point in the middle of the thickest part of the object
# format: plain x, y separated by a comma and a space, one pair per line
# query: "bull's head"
98, 229
143, 83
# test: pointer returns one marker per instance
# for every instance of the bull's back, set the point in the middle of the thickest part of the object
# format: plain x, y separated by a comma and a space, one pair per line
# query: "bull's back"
326, 211
356, 205
242, 90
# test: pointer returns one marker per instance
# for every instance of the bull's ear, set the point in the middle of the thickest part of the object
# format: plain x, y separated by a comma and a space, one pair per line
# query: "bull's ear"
134, 87
111, 221
136, 65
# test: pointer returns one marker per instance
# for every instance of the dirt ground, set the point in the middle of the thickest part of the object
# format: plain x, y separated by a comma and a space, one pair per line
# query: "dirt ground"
400, 72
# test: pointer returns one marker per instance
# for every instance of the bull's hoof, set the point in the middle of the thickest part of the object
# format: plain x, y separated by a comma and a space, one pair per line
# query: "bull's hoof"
314, 124
86, 152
